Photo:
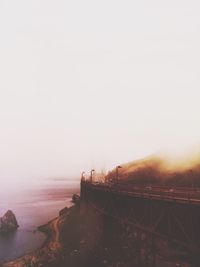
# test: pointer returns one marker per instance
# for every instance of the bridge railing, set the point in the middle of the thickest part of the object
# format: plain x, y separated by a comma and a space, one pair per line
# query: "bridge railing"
178, 194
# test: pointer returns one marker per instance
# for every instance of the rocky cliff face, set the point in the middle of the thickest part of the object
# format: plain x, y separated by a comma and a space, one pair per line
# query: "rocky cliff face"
8, 222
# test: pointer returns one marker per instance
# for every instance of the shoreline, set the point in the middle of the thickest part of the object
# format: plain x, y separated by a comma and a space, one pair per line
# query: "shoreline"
82, 236
47, 251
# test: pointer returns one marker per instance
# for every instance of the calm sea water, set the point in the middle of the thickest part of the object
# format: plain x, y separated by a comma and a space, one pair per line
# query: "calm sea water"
32, 206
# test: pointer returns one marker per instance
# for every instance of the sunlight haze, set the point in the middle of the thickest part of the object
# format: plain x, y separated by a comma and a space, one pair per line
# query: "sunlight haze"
93, 84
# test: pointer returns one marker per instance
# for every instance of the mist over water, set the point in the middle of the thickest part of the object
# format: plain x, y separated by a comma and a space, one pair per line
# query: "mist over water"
33, 205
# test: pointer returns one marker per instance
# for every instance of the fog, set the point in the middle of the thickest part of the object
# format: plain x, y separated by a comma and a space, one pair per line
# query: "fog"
87, 84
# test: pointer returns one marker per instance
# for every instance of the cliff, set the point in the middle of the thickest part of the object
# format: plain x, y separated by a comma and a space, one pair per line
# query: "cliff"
83, 237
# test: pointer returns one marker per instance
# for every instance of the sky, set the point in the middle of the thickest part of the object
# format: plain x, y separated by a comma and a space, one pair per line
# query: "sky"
92, 84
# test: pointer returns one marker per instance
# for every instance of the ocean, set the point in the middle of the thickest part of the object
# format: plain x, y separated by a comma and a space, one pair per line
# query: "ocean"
33, 205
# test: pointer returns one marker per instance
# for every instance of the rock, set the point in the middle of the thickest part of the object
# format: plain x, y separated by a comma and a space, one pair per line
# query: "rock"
8, 222
75, 198
63, 211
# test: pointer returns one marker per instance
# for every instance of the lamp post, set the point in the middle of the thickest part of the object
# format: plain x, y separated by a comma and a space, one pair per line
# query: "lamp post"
192, 178
83, 176
117, 172
91, 174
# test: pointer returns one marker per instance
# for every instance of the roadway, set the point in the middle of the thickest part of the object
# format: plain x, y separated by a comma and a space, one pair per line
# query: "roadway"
166, 193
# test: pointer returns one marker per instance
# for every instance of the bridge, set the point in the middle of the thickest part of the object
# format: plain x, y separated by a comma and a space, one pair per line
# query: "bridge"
170, 214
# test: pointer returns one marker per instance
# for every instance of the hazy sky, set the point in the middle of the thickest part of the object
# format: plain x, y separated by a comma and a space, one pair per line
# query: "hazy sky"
91, 84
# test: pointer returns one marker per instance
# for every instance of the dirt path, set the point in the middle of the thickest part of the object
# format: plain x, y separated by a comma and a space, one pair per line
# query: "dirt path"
48, 250
54, 243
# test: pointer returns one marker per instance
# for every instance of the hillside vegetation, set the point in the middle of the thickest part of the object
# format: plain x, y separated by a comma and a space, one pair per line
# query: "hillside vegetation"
160, 170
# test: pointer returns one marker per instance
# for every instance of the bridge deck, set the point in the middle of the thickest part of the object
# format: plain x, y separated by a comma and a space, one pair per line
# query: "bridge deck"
181, 195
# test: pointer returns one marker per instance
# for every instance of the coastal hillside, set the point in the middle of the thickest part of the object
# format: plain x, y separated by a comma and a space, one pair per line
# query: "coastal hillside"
160, 170
82, 237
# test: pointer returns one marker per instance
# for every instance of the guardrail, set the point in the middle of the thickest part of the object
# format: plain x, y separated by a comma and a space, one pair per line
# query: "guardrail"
180, 195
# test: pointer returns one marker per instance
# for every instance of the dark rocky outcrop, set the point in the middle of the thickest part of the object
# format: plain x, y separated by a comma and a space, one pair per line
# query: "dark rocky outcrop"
75, 198
8, 222
63, 211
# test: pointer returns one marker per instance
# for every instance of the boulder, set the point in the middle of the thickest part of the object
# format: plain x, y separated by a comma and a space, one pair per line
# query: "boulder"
8, 222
